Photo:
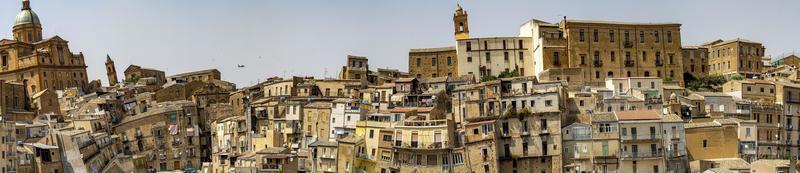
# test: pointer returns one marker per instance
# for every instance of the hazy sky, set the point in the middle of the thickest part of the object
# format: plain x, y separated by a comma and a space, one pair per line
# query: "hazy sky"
277, 38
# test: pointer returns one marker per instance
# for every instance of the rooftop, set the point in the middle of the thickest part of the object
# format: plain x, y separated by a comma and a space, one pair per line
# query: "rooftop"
433, 49
637, 115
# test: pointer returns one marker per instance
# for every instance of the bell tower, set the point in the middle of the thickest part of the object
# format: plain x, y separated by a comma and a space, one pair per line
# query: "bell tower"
460, 23
111, 71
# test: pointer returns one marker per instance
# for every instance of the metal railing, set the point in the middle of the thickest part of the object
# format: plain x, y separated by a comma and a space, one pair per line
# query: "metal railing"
651, 136
641, 155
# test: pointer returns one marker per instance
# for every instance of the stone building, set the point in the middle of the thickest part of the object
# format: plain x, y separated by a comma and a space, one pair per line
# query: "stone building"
163, 138
433, 62
491, 56
134, 72
737, 56
202, 75
36, 62
606, 49
695, 60
715, 139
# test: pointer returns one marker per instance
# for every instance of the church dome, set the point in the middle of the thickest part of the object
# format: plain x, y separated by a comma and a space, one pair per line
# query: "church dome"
26, 16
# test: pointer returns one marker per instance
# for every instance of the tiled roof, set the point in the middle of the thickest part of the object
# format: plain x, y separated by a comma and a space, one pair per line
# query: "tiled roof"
637, 115
604, 117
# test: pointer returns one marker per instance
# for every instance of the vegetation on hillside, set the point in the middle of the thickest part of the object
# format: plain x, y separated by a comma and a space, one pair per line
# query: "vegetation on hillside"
703, 82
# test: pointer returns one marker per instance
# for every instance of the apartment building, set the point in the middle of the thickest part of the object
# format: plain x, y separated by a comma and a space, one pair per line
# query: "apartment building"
433, 62
659, 148
714, 139
606, 49
751, 89
695, 60
323, 154
163, 138
736, 56
605, 142
788, 94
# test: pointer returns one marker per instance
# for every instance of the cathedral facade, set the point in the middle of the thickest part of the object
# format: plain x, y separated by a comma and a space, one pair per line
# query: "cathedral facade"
39, 63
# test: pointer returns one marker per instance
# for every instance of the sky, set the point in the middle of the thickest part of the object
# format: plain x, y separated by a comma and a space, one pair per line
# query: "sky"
313, 38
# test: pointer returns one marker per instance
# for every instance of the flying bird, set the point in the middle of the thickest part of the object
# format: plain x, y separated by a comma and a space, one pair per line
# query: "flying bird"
240, 66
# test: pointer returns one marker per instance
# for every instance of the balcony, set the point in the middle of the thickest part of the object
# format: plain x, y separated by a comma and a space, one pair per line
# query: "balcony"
581, 136
627, 44
640, 137
270, 167
629, 63
598, 63
641, 155
364, 156
676, 153
659, 63
654, 100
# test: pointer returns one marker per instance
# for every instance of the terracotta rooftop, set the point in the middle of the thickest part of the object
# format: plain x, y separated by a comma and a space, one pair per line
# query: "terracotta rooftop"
637, 115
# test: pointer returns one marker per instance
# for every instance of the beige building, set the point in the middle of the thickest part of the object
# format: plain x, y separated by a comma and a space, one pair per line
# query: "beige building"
651, 142
788, 94
492, 56
695, 60
36, 62
716, 139
202, 75
604, 49
433, 62
164, 137
605, 142
751, 89
134, 72
737, 56
772, 165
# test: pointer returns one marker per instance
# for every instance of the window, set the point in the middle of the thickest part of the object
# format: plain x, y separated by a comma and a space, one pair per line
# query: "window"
641, 36
520, 44
419, 62
5, 58
555, 58
705, 143
488, 57
469, 59
594, 34
627, 37
548, 103
457, 158
505, 56
669, 36
583, 59
449, 61
521, 56
613, 56
655, 35
580, 35
469, 46
611, 35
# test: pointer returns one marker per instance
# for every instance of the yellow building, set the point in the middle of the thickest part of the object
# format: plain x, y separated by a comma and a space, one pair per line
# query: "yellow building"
433, 62
751, 89
36, 62
737, 56
695, 60
605, 49
162, 138
713, 140
605, 142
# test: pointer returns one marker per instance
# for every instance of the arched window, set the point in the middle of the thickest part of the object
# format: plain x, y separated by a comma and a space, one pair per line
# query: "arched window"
646, 74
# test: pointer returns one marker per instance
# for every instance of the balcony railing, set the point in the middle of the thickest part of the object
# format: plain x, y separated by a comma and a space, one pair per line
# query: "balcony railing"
634, 137
659, 63
641, 155
629, 63
627, 44
270, 166
581, 136
598, 63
